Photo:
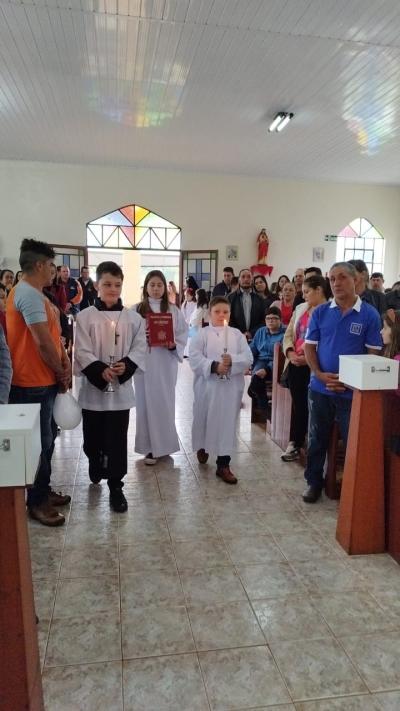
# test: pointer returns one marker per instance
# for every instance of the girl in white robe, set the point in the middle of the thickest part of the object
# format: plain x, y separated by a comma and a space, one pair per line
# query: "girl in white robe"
218, 387
156, 434
103, 330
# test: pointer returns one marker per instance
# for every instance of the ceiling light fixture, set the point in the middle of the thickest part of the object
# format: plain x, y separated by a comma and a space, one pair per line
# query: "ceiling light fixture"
280, 121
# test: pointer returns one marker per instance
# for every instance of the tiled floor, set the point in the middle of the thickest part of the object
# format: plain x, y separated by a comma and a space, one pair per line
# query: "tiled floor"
205, 596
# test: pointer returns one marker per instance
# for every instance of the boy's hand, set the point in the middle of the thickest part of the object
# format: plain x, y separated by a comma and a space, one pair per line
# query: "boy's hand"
227, 360
222, 369
261, 373
108, 375
118, 368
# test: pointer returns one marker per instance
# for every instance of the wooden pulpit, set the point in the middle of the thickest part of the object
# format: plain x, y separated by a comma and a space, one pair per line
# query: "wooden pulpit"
361, 520
20, 674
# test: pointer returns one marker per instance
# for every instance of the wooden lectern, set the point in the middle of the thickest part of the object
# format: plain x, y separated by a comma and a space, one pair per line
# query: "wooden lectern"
361, 521
20, 674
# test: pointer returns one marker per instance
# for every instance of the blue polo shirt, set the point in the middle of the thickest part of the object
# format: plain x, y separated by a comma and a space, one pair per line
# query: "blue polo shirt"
335, 333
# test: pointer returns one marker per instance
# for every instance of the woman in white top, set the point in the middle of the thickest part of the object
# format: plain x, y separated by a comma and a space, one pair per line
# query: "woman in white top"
200, 317
156, 434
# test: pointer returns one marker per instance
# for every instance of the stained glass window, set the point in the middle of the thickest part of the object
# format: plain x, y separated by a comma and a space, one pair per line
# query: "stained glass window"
133, 227
361, 240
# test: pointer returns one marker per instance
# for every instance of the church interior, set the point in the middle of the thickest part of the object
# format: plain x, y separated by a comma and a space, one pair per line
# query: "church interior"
138, 131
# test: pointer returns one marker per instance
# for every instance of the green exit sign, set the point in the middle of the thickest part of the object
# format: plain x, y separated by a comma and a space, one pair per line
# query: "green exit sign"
330, 238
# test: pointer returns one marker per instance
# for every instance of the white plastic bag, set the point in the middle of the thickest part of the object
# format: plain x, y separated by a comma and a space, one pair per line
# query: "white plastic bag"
67, 412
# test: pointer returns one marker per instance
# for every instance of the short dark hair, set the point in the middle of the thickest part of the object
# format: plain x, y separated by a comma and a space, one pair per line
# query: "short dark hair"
33, 251
109, 268
228, 269
245, 269
316, 270
235, 280
219, 300
359, 265
85, 266
273, 311
376, 275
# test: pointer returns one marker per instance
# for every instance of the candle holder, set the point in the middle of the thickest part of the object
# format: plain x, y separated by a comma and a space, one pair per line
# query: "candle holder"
224, 377
109, 388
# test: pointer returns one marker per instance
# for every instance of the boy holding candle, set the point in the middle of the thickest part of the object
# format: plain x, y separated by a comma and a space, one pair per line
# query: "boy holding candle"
219, 356
110, 344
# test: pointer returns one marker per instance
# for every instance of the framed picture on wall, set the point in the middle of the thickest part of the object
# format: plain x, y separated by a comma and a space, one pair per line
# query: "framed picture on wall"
318, 254
232, 253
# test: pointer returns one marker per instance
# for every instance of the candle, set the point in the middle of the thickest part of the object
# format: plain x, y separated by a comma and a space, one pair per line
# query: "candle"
111, 344
225, 335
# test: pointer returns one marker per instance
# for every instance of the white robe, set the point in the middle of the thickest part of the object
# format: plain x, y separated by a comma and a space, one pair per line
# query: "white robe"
92, 342
188, 308
155, 392
217, 401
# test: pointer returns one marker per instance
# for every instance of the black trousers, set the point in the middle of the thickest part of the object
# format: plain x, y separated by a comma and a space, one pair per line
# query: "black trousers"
223, 461
299, 378
105, 443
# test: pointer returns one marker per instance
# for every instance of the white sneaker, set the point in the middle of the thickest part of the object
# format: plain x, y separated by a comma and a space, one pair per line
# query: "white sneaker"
149, 459
289, 449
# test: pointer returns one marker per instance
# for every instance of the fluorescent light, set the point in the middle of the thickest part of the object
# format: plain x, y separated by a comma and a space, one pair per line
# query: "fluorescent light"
280, 121
278, 118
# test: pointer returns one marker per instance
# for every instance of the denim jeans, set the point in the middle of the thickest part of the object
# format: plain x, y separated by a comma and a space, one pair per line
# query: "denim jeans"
258, 385
45, 396
323, 411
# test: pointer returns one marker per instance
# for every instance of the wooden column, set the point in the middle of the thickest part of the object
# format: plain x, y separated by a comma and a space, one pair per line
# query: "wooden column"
361, 521
20, 676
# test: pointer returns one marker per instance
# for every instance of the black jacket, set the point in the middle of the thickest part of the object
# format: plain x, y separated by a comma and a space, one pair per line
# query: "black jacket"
393, 300
89, 293
221, 289
376, 299
257, 314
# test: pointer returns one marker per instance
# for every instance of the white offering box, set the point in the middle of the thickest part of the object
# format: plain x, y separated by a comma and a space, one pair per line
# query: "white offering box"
369, 372
20, 444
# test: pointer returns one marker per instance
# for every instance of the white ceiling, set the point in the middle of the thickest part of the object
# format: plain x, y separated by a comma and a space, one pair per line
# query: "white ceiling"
193, 85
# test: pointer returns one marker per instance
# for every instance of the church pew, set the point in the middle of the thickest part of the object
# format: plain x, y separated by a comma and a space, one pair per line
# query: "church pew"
281, 411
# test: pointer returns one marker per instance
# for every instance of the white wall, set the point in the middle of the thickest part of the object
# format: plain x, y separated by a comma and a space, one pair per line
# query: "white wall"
53, 202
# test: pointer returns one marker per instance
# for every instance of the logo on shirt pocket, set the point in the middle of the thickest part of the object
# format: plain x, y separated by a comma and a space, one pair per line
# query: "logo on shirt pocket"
356, 328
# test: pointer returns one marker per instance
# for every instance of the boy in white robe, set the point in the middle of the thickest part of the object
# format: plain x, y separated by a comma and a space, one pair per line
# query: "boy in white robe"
219, 356
156, 434
104, 330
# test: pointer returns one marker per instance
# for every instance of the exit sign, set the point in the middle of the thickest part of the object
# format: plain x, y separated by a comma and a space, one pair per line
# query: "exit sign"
330, 238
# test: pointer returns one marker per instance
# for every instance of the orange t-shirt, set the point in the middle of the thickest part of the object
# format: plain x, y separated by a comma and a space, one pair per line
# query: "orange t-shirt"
29, 368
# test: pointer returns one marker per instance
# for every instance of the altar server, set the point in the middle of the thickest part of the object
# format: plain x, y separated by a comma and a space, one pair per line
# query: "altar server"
156, 434
108, 333
219, 356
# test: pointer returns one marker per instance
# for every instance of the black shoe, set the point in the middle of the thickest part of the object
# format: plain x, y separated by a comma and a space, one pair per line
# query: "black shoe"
95, 474
311, 494
118, 501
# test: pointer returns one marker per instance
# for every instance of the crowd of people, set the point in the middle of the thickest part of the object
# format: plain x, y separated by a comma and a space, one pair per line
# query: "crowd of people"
50, 320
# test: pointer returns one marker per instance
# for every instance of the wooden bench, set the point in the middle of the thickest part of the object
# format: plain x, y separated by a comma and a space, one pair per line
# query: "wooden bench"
281, 411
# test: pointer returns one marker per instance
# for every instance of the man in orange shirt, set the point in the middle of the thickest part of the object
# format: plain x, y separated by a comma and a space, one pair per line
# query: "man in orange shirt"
41, 366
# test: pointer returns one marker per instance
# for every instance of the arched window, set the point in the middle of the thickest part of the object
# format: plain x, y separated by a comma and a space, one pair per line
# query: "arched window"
361, 240
133, 227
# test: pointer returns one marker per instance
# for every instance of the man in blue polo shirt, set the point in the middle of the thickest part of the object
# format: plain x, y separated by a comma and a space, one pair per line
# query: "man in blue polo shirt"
344, 326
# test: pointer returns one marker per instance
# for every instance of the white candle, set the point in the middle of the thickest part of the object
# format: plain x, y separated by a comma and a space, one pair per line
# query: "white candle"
225, 335
111, 345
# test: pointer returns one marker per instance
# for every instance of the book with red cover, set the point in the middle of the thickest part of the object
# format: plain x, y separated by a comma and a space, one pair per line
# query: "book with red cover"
160, 329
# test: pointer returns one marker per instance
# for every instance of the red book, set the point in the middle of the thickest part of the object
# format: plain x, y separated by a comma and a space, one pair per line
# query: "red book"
160, 329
